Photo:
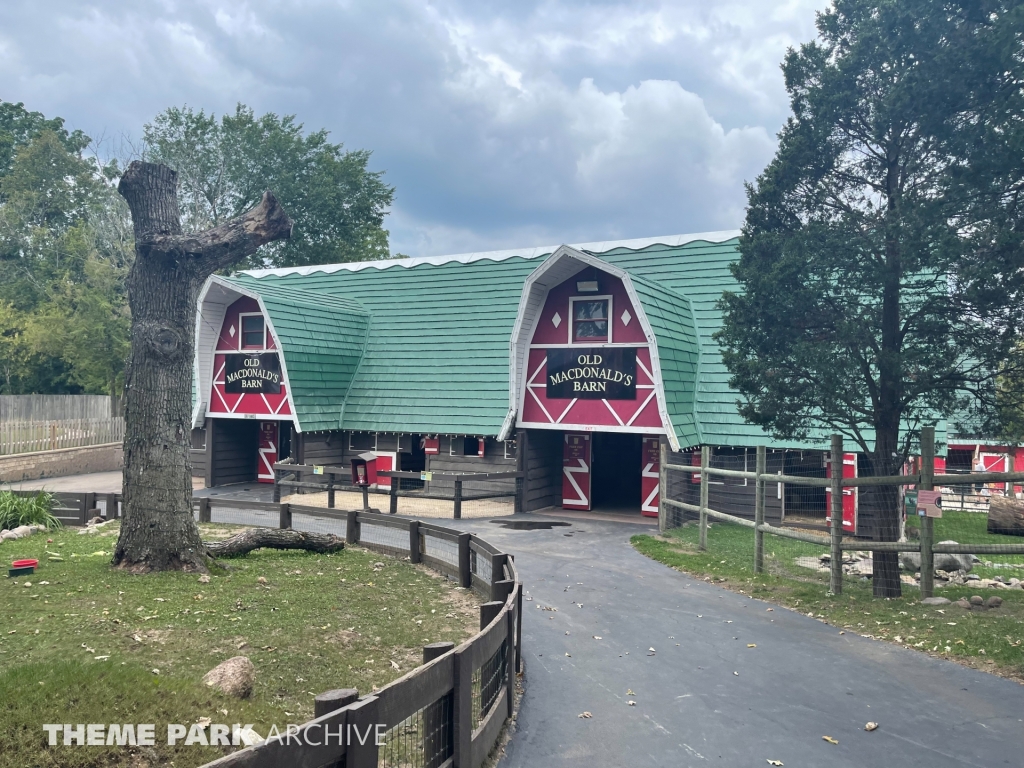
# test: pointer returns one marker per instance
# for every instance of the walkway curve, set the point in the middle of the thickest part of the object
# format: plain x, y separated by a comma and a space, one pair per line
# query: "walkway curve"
703, 698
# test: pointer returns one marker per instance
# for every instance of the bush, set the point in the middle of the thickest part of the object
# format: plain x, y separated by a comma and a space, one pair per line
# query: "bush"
18, 510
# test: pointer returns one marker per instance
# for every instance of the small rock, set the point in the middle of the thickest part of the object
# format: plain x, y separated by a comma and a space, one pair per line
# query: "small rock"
261, 580
973, 577
993, 602
935, 601
235, 677
963, 602
204, 579
977, 600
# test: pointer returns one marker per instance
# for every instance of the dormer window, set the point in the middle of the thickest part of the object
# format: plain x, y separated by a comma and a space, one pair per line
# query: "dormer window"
253, 332
590, 320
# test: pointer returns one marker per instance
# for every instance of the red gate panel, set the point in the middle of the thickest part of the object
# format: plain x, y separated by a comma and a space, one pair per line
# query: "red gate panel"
267, 452
850, 495
650, 467
576, 466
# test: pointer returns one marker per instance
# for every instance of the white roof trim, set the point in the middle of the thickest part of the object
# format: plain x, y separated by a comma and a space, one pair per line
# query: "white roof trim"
240, 291
522, 334
522, 253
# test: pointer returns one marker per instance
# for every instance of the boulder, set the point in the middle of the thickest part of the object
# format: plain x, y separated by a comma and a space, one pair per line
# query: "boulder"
941, 561
935, 601
963, 602
993, 602
235, 677
977, 600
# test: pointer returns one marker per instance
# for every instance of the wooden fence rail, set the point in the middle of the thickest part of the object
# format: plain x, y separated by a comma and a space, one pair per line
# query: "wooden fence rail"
461, 696
926, 479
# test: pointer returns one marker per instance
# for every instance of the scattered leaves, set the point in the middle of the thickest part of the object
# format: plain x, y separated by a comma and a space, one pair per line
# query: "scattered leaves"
830, 740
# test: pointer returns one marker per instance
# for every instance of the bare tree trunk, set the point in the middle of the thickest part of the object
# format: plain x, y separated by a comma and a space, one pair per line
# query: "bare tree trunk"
158, 531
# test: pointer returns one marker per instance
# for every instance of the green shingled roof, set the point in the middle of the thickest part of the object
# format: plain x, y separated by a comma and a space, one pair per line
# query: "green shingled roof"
322, 338
436, 354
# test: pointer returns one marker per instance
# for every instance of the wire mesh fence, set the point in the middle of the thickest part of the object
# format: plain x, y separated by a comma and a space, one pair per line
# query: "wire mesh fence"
422, 740
487, 683
926, 530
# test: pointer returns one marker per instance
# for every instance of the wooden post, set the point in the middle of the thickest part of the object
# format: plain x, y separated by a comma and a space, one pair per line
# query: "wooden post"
435, 737
489, 611
836, 539
705, 461
393, 508
761, 466
330, 490
366, 497
352, 527
415, 556
662, 484
462, 711
204, 510
523, 465
277, 483
329, 701
458, 500
465, 574
927, 529
362, 749
286, 516
510, 660
519, 628
111, 505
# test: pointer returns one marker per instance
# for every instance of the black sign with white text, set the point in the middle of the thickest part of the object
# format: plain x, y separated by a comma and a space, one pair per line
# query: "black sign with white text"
592, 374
252, 372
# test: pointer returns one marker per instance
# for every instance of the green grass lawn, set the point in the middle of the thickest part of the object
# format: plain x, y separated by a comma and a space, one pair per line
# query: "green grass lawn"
992, 640
83, 643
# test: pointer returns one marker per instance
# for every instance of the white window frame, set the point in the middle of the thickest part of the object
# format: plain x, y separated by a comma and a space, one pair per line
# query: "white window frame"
241, 333
572, 320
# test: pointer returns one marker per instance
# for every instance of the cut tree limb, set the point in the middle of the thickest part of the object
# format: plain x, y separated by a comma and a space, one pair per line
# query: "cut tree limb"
274, 538
1005, 516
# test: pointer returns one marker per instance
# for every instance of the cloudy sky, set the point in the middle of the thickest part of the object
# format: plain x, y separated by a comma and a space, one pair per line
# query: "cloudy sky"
501, 124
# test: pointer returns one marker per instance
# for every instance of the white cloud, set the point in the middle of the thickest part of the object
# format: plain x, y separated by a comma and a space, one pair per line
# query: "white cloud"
500, 125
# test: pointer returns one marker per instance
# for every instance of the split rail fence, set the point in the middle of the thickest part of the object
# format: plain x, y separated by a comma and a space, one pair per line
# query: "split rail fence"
673, 511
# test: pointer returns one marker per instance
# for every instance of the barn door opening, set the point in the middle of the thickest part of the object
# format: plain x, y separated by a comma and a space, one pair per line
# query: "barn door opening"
617, 472
576, 474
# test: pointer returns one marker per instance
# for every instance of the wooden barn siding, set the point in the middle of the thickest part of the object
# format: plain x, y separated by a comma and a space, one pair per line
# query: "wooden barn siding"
493, 460
199, 454
233, 445
727, 494
543, 466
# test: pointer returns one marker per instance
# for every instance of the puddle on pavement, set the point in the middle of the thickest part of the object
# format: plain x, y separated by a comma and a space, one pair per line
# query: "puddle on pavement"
530, 525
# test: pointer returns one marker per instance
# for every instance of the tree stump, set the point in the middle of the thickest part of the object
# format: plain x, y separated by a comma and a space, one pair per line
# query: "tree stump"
158, 531
1006, 515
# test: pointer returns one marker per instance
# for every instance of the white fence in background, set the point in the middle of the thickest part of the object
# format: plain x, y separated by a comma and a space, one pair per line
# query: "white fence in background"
47, 422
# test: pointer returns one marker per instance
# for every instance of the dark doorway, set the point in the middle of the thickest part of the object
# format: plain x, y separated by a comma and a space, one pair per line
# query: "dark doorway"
233, 451
615, 475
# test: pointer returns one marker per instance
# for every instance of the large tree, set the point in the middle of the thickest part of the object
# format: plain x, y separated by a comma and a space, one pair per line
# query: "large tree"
881, 253
159, 531
337, 203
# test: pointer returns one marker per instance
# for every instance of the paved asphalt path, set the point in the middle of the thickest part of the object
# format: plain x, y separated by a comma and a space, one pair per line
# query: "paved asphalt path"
703, 698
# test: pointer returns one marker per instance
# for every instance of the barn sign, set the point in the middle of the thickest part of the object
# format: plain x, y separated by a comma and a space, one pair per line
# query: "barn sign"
592, 374
252, 372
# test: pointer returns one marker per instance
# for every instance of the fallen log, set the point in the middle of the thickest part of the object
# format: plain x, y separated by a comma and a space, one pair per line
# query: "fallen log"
1005, 516
273, 538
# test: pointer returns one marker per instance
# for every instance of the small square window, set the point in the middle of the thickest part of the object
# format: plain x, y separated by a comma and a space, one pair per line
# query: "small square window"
590, 320
252, 332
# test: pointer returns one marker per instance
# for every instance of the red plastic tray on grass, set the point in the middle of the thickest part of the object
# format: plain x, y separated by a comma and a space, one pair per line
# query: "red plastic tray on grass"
25, 564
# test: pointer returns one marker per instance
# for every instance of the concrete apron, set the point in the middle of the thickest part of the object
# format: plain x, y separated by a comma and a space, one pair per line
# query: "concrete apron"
702, 696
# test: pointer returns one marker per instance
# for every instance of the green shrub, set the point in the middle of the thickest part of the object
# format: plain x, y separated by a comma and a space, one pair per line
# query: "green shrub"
18, 510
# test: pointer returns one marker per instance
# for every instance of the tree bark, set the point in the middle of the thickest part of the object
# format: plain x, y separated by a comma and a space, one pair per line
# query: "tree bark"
1005, 516
274, 538
158, 531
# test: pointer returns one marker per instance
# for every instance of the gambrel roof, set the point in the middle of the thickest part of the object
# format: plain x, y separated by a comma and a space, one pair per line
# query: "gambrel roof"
425, 343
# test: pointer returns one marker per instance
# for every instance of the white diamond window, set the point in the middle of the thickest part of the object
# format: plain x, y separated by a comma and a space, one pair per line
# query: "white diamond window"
626, 317
231, 331
556, 320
